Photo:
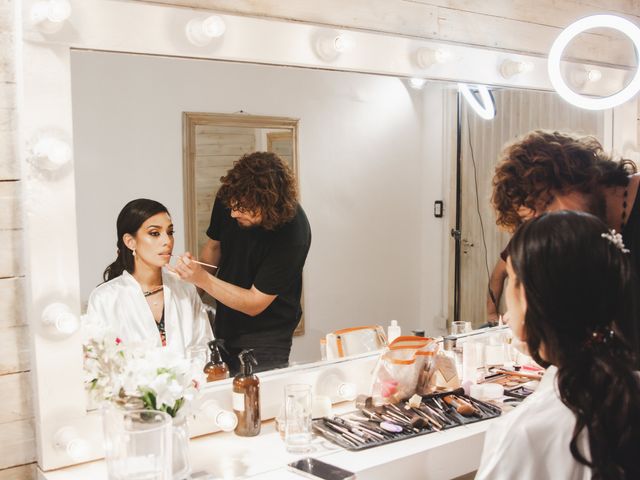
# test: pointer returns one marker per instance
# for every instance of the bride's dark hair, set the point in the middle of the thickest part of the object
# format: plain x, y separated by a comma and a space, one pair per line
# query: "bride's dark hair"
580, 291
130, 219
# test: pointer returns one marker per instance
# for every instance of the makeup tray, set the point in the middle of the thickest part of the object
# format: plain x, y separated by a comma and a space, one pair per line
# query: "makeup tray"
345, 432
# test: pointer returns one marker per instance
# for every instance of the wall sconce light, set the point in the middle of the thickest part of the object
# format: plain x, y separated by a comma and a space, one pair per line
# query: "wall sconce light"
201, 31
331, 45
59, 317
555, 56
484, 106
511, 68
68, 440
226, 420
49, 15
417, 83
337, 388
582, 76
51, 153
427, 57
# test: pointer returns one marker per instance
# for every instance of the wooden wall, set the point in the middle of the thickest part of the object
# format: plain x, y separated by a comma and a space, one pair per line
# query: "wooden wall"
514, 25
17, 438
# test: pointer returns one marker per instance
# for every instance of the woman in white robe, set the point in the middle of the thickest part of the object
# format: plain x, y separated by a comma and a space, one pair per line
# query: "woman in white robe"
569, 297
139, 301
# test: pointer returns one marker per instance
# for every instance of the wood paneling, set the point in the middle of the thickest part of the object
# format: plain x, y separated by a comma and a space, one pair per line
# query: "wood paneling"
11, 253
15, 397
14, 350
18, 443
12, 311
23, 472
10, 205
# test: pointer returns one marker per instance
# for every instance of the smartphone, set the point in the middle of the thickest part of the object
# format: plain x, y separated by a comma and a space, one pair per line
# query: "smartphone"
314, 468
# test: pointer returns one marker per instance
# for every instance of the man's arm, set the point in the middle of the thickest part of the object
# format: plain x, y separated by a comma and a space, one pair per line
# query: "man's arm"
249, 301
210, 254
496, 284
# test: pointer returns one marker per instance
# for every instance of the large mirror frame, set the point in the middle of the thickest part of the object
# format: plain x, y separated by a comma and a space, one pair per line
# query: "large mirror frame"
143, 28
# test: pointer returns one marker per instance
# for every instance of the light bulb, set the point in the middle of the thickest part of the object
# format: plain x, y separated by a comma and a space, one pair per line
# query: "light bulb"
486, 109
60, 317
51, 153
201, 31
226, 420
427, 57
67, 439
330, 45
510, 68
49, 15
555, 56
417, 83
347, 390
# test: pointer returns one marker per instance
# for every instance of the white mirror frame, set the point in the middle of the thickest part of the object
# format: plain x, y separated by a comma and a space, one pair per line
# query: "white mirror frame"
136, 27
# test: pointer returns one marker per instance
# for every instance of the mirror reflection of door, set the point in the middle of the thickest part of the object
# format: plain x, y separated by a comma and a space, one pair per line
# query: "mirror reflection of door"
517, 112
212, 142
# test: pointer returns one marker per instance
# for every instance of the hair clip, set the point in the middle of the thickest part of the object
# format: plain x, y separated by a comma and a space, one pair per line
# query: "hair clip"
616, 240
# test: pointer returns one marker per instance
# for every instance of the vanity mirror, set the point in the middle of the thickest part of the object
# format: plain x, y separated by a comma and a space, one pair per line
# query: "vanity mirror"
373, 156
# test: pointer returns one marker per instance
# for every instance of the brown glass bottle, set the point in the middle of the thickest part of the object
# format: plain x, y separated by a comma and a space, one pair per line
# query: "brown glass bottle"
216, 369
246, 396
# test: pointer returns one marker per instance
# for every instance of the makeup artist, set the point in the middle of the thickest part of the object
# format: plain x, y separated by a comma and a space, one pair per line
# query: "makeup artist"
139, 302
546, 171
259, 237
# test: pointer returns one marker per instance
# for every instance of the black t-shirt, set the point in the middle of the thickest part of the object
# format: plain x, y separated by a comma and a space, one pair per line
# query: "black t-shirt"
272, 260
631, 239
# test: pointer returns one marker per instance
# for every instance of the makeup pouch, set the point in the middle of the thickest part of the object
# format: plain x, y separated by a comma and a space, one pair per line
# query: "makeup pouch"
407, 362
355, 340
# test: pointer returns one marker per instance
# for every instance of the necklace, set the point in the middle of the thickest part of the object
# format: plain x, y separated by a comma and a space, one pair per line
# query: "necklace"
624, 207
153, 292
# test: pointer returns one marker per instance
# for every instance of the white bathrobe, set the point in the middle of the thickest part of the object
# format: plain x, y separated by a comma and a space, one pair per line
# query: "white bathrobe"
119, 306
532, 441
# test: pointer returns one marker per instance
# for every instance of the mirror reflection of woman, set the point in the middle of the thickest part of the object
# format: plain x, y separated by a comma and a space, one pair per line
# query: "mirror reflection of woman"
140, 301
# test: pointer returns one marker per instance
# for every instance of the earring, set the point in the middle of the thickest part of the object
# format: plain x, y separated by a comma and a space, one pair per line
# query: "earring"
134, 252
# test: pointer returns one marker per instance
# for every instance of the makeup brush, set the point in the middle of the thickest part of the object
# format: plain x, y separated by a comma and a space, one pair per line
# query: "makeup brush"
198, 262
461, 406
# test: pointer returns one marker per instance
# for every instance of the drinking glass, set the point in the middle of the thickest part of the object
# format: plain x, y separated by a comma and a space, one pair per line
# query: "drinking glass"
297, 419
139, 446
458, 328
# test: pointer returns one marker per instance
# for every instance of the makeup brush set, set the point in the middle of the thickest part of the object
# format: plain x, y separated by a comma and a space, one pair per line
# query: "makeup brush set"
373, 426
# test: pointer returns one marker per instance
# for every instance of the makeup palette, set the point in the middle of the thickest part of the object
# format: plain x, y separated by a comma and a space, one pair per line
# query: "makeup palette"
374, 426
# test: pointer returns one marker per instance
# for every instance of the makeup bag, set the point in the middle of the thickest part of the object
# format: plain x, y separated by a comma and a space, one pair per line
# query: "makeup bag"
406, 362
355, 340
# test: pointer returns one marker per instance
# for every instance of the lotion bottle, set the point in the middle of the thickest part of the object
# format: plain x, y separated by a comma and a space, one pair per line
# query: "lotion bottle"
246, 396
216, 369
393, 331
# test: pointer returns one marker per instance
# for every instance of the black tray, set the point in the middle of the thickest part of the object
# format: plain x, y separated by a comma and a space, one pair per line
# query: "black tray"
487, 411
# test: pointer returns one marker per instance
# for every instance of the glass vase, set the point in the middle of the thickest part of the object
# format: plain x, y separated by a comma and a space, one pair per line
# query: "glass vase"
180, 448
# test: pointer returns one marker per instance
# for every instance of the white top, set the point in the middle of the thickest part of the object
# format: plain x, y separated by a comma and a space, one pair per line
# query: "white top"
532, 441
119, 305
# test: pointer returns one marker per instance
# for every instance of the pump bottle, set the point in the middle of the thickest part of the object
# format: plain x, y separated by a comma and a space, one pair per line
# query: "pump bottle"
246, 396
216, 369
393, 331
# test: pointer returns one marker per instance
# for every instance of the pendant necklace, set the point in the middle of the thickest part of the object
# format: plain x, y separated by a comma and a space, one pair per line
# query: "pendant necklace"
153, 292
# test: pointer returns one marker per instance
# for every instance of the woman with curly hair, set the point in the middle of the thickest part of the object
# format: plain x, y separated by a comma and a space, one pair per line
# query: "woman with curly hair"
570, 298
259, 237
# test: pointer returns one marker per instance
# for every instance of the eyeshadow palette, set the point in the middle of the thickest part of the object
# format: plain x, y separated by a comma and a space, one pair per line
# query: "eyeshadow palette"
375, 426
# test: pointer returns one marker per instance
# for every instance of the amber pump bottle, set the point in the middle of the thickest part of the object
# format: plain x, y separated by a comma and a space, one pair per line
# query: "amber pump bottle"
246, 396
216, 369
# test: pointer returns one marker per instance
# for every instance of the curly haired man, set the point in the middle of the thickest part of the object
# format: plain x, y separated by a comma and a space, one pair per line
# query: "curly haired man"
259, 237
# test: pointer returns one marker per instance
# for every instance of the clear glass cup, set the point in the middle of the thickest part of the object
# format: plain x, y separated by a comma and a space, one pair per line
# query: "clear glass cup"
138, 447
458, 328
198, 356
297, 418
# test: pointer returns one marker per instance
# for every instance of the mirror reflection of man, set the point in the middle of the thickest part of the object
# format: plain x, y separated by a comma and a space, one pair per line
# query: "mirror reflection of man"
259, 237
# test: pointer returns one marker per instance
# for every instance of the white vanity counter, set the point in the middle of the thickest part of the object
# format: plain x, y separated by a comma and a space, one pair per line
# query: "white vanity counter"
438, 455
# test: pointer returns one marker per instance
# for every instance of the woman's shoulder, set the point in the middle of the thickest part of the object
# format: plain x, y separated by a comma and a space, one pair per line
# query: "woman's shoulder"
109, 288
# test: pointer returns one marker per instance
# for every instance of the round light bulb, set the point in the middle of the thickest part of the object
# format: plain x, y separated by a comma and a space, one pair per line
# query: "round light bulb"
60, 317
59, 10
348, 390
417, 83
67, 439
201, 31
224, 419
51, 153
330, 45
427, 57
568, 34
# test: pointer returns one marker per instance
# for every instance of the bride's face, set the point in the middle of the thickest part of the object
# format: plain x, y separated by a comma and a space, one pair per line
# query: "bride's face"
154, 240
